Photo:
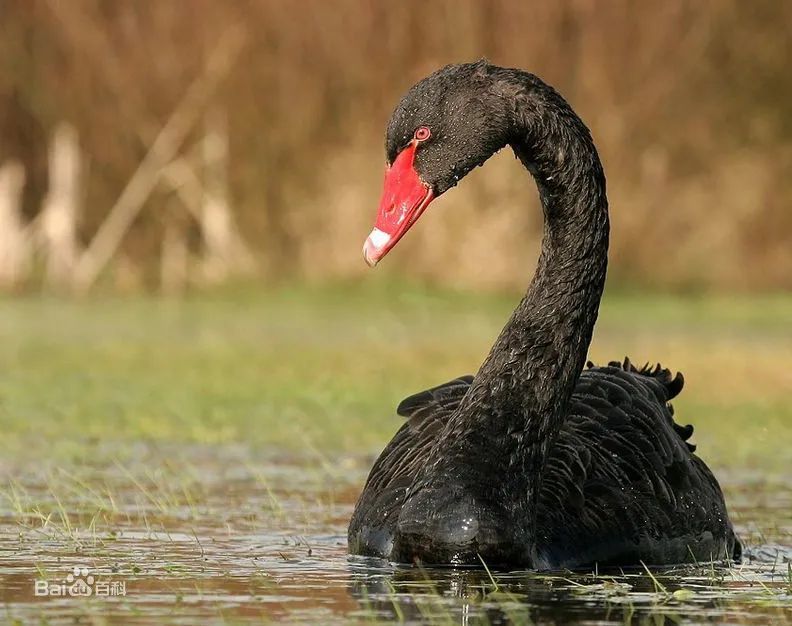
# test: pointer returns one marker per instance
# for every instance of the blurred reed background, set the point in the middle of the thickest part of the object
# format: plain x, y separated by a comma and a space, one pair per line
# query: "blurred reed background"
158, 145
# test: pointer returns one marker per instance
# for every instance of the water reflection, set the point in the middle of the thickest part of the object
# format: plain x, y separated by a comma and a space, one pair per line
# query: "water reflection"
416, 595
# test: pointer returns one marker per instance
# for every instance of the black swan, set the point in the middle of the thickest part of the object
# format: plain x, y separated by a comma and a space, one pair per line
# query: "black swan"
535, 462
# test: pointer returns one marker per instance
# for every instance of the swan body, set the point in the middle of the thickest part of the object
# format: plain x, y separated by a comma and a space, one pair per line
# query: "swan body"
534, 461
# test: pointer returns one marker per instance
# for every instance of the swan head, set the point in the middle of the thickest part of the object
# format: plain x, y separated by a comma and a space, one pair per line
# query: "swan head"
444, 126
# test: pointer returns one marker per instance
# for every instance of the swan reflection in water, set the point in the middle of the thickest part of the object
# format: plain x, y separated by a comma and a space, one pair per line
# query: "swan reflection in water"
620, 596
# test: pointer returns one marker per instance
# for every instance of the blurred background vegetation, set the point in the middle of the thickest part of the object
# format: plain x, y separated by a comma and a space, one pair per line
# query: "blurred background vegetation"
271, 159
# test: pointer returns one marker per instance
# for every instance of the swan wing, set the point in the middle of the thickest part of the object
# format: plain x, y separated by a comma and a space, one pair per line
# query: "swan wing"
434, 404
372, 525
625, 471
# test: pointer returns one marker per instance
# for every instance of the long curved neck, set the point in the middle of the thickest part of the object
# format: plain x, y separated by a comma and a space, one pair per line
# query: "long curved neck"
534, 365
518, 401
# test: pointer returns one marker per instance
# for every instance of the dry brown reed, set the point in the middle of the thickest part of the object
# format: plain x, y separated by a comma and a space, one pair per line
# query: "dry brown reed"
690, 103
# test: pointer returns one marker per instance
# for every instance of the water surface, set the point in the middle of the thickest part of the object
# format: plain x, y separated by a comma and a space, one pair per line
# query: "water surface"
230, 534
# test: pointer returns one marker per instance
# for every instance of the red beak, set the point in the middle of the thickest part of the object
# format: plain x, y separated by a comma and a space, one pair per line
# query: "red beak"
404, 197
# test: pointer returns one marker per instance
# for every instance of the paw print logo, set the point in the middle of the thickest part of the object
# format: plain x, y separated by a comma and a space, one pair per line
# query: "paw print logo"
79, 582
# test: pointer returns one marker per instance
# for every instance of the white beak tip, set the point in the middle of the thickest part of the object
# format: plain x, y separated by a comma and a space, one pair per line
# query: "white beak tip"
375, 246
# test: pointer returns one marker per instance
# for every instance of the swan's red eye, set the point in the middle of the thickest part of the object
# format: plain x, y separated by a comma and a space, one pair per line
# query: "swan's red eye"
422, 133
